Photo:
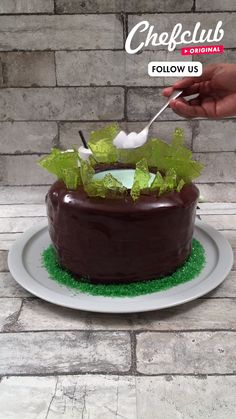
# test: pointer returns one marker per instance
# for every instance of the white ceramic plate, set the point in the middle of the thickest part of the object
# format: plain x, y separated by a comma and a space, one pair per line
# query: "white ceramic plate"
25, 266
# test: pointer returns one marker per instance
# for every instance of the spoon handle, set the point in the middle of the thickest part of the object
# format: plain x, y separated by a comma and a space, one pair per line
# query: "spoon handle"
174, 95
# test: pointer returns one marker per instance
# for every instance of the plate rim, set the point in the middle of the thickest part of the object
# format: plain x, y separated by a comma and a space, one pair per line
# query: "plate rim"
20, 274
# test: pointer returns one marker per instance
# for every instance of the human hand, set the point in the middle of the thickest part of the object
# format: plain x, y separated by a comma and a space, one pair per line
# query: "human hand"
216, 89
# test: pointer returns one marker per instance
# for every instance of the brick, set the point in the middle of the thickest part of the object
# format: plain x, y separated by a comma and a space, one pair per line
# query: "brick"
16, 225
219, 167
9, 310
231, 237
227, 288
214, 135
51, 352
117, 6
7, 239
144, 102
9, 287
225, 222
26, 6
218, 192
82, 103
27, 137
201, 314
3, 261
60, 32
32, 394
186, 397
186, 353
164, 130
217, 208
22, 210
23, 170
27, 69
221, 222
166, 22
22, 195
37, 314
68, 397
129, 397
84, 68
215, 5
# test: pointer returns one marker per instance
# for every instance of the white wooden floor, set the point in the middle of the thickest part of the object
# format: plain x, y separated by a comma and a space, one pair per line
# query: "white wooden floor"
61, 363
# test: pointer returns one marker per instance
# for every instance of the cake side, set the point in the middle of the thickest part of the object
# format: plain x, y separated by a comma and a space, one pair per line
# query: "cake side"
119, 240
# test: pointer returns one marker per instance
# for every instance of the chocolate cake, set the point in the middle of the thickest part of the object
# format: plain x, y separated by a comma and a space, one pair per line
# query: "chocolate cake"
119, 240
108, 233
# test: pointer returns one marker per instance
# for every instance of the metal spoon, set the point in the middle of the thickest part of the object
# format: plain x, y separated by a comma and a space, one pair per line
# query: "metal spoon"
175, 94
144, 132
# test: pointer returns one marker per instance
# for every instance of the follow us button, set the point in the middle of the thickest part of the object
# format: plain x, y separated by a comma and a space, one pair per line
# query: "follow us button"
174, 69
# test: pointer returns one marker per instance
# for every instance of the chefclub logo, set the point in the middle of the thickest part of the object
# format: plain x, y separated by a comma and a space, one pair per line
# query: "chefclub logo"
148, 37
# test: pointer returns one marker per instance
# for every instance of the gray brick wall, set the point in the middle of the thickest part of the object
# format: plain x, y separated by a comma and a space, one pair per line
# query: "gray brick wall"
63, 68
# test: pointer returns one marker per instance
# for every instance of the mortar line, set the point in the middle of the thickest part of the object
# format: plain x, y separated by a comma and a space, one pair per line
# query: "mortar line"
55, 67
133, 367
116, 13
85, 121
122, 331
160, 49
116, 373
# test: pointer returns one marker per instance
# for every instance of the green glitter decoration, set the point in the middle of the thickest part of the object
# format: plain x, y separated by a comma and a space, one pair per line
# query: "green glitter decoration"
191, 269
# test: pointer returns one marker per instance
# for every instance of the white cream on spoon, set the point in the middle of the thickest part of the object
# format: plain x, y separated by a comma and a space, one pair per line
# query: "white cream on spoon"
134, 139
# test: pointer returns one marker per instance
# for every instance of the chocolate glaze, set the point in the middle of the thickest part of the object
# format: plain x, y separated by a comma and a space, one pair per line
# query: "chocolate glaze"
118, 240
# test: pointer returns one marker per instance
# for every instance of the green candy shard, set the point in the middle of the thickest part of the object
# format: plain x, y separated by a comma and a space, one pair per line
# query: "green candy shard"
174, 156
91, 187
164, 184
113, 185
86, 171
71, 178
101, 144
170, 180
64, 165
180, 185
173, 161
133, 156
186, 170
141, 179
178, 137
158, 184
95, 188
59, 160
190, 270
106, 187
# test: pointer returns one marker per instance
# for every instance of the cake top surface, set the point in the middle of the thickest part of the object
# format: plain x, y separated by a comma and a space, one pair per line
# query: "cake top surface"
156, 168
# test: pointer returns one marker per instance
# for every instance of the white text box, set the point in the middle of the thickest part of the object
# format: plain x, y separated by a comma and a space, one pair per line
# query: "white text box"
174, 69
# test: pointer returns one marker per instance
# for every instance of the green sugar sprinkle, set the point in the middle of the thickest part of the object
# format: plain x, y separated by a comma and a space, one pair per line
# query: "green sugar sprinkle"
191, 269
